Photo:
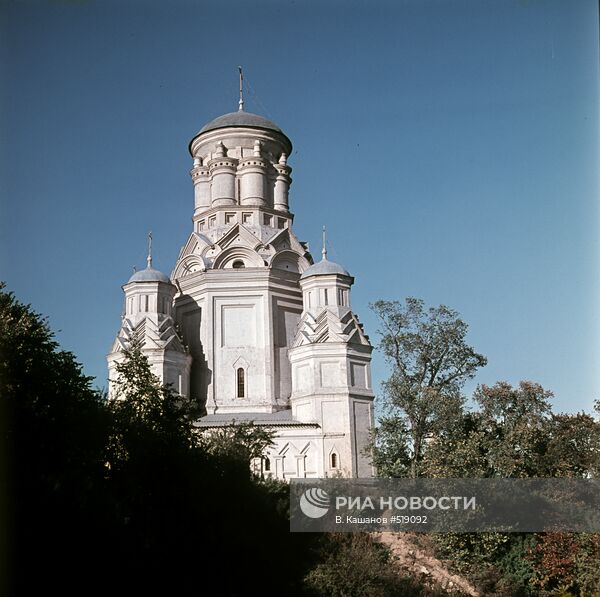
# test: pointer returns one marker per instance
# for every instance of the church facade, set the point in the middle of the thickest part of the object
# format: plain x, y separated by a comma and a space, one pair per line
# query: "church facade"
247, 324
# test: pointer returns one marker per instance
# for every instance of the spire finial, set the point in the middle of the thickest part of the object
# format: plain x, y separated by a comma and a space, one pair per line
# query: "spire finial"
149, 258
241, 103
324, 250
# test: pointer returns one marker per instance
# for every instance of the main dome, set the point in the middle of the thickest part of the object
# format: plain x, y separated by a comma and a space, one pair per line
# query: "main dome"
240, 118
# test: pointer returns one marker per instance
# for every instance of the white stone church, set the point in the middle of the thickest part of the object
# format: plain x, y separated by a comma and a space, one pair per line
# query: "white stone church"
247, 324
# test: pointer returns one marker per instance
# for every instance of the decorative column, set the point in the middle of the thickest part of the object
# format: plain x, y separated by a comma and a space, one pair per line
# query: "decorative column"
201, 180
282, 184
252, 172
222, 170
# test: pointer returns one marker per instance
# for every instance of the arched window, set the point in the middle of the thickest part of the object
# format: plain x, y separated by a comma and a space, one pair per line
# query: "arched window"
267, 464
334, 460
238, 264
241, 383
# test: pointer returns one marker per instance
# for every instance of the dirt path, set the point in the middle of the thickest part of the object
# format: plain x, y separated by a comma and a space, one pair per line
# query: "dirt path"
413, 553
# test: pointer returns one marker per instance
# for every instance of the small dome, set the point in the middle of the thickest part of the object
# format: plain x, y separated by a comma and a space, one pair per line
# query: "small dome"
149, 275
323, 268
240, 118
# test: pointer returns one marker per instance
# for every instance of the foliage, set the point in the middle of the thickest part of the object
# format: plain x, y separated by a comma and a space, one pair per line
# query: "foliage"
566, 563
55, 428
353, 564
239, 440
510, 432
122, 496
143, 408
573, 446
430, 362
494, 562
515, 434
512, 424
391, 453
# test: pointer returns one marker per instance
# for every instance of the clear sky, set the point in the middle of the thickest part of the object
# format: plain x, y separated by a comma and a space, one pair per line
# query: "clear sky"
451, 148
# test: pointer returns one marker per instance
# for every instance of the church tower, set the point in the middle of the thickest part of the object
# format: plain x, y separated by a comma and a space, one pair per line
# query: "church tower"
247, 325
148, 320
331, 369
239, 301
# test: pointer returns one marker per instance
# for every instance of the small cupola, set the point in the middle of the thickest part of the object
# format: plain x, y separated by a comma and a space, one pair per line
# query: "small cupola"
325, 284
148, 291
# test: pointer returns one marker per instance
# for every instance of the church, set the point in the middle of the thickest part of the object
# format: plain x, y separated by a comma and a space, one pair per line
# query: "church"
247, 324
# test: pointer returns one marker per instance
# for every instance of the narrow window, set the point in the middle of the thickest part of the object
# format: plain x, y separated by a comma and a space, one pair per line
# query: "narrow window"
309, 300
146, 303
325, 296
280, 223
241, 383
334, 460
267, 465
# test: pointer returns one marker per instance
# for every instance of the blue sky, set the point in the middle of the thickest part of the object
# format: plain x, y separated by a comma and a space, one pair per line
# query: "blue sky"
451, 148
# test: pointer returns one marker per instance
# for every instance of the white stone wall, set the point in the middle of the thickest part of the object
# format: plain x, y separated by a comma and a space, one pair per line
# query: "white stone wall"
245, 318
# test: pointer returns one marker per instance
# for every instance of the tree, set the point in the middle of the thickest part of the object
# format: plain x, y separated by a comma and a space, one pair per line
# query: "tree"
144, 407
390, 448
573, 446
513, 423
55, 428
430, 361
123, 495
240, 442
513, 433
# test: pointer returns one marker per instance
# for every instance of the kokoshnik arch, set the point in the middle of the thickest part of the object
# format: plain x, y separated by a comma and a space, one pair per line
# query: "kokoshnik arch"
247, 324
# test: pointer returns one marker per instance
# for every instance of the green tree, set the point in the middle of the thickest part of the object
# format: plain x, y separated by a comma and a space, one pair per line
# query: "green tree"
513, 425
390, 447
430, 361
55, 428
513, 433
120, 496
238, 441
354, 564
143, 407
573, 446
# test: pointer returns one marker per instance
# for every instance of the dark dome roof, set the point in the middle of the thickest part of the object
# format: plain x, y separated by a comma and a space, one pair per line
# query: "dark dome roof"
149, 275
240, 118
324, 268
